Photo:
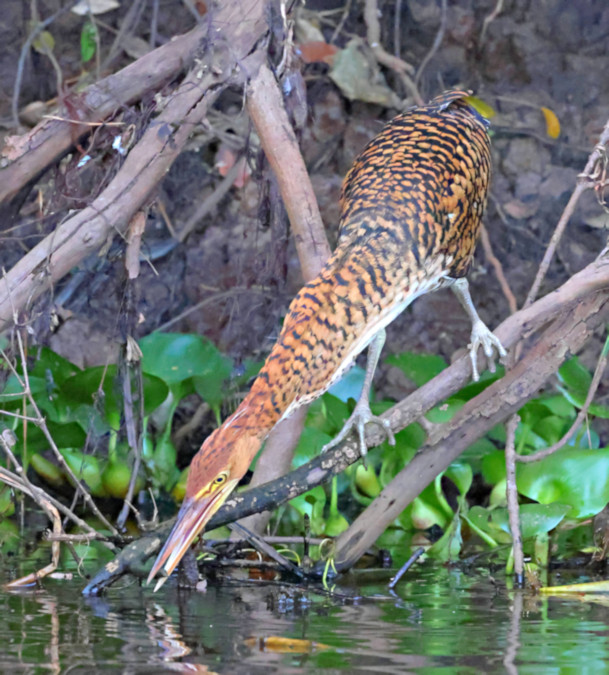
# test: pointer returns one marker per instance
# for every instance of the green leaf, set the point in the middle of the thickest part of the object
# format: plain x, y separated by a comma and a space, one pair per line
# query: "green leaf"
88, 41
575, 378
309, 445
419, 368
535, 519
86, 468
174, 357
59, 368
578, 478
86, 386
461, 475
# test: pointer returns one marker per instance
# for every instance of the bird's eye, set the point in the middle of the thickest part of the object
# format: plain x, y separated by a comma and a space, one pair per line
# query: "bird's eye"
219, 479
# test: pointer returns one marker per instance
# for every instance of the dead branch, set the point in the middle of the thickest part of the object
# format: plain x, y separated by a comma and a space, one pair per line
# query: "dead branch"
51, 138
238, 25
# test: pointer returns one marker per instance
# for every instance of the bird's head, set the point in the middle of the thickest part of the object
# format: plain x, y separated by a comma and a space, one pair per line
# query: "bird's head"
214, 473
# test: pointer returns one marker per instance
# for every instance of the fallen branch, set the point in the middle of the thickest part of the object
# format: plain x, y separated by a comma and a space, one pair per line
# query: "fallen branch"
239, 25
32, 153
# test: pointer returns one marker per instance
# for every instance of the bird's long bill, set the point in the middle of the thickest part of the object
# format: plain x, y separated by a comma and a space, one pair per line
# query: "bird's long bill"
192, 518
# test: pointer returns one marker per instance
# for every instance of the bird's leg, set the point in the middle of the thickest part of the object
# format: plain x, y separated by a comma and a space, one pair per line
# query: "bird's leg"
362, 414
481, 335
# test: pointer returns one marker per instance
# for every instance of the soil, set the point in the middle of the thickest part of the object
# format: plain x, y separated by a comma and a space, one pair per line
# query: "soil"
233, 277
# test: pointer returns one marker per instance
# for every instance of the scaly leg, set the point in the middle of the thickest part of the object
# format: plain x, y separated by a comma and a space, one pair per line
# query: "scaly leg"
362, 414
481, 335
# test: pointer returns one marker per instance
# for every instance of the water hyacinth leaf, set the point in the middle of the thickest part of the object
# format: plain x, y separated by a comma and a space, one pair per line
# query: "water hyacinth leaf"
418, 368
174, 357
480, 519
461, 475
88, 385
575, 378
350, 385
575, 477
11, 397
48, 361
493, 467
445, 412
535, 519
310, 443
86, 468
448, 547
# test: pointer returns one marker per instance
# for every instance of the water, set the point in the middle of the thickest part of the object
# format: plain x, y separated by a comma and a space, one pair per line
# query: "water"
439, 621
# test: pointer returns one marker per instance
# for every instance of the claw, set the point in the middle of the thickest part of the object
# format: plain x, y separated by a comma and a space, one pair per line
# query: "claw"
361, 416
482, 337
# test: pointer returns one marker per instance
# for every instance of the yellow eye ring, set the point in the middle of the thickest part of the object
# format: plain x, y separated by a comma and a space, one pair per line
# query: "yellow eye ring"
219, 479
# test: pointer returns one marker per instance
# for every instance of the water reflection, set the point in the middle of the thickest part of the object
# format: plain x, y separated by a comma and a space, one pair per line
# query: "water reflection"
439, 620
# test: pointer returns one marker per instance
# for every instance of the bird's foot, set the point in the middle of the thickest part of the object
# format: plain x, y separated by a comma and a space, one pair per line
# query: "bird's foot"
483, 337
361, 416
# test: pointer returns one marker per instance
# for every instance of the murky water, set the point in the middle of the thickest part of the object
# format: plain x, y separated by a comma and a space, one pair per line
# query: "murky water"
439, 621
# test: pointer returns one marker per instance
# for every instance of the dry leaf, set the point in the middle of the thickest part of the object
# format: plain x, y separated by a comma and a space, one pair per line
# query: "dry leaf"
357, 74
552, 123
481, 106
281, 645
313, 52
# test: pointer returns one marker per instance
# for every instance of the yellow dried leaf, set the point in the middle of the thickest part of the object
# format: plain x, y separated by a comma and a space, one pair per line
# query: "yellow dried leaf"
552, 123
481, 106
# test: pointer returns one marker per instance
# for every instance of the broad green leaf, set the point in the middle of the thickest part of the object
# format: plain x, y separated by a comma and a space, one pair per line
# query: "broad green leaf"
535, 519
309, 445
578, 478
461, 475
444, 412
60, 368
493, 467
418, 368
86, 468
88, 386
448, 547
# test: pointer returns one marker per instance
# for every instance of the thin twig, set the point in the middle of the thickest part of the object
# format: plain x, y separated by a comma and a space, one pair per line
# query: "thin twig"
586, 179
596, 379
436, 43
489, 19
406, 566
373, 36
498, 267
511, 492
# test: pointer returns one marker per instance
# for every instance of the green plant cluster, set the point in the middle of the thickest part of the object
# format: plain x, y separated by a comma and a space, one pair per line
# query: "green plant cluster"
84, 413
